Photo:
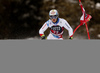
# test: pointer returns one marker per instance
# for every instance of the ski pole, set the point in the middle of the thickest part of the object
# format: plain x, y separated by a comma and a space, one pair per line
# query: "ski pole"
87, 31
76, 29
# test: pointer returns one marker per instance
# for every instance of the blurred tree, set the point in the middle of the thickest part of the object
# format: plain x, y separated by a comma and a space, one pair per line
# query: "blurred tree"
96, 1
19, 18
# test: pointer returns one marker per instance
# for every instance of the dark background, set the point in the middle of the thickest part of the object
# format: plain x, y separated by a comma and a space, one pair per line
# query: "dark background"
20, 19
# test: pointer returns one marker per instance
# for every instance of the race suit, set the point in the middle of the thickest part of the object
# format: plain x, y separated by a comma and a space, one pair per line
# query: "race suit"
56, 29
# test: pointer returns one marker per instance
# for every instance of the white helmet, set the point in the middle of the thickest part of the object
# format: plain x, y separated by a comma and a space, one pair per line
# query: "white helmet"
53, 12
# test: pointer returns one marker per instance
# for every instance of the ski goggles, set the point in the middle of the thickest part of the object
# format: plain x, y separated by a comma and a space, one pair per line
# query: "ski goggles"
54, 17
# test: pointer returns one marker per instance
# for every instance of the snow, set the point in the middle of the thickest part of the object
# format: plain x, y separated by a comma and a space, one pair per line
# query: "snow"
97, 5
32, 38
72, 1
49, 0
91, 29
29, 38
26, 15
76, 37
99, 35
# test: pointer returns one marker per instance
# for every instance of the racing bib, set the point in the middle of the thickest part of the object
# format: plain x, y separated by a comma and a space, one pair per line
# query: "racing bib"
56, 29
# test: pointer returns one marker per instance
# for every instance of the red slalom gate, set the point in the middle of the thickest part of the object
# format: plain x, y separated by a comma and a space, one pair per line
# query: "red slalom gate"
87, 18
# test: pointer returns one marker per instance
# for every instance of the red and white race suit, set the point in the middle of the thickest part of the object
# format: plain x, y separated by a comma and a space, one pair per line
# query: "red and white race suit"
56, 29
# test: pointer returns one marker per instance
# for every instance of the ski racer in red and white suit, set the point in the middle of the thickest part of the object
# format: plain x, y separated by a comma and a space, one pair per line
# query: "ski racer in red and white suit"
56, 26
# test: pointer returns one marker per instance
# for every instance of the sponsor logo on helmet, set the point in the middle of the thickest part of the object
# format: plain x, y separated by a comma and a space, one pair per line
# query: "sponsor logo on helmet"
53, 12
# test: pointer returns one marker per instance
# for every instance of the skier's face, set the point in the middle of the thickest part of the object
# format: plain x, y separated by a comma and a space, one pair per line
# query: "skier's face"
54, 20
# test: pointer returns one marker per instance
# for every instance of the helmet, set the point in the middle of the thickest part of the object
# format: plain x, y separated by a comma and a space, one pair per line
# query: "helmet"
53, 14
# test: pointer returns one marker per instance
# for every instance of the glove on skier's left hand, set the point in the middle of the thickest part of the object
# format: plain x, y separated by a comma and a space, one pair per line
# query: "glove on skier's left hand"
71, 38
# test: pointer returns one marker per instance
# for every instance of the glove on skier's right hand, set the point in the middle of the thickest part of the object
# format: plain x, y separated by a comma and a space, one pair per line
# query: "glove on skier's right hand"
43, 37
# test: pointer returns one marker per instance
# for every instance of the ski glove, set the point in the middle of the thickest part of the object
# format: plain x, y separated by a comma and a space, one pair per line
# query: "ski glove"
43, 37
71, 38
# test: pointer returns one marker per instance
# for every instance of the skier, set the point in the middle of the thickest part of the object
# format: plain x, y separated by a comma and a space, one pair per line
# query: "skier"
56, 26
85, 17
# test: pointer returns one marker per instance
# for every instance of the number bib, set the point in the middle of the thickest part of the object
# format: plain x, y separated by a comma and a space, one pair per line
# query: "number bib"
56, 29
